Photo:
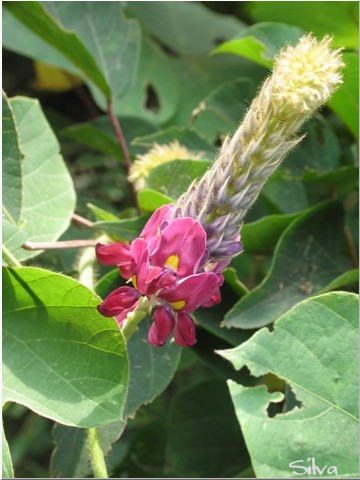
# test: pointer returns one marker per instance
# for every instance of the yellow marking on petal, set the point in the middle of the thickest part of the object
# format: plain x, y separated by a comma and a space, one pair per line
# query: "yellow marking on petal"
178, 305
134, 281
172, 262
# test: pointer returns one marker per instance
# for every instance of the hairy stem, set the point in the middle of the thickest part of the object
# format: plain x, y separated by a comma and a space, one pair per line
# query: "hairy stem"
59, 245
97, 455
86, 277
9, 258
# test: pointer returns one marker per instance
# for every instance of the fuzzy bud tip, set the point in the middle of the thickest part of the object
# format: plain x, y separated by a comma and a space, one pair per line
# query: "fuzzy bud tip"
306, 75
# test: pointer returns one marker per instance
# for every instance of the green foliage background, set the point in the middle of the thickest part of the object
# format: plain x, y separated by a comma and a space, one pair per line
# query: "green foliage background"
273, 377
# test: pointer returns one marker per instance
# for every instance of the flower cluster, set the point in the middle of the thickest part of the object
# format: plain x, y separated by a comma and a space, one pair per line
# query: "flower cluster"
176, 264
166, 265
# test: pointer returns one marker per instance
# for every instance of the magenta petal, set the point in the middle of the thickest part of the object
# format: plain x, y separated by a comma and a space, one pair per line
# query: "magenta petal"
141, 270
181, 246
151, 228
192, 292
184, 331
118, 300
161, 327
113, 254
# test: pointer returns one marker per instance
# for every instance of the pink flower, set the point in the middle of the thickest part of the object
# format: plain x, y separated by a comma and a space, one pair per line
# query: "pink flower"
166, 265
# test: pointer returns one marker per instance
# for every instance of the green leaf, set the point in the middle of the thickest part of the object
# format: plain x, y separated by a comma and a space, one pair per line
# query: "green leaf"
202, 420
99, 134
318, 339
70, 458
151, 369
199, 76
345, 101
306, 259
155, 92
12, 198
12, 166
112, 39
188, 138
186, 28
62, 359
262, 235
222, 110
319, 151
19, 39
173, 178
261, 42
312, 17
149, 200
348, 278
102, 215
48, 192
36, 17
287, 196
7, 468
122, 230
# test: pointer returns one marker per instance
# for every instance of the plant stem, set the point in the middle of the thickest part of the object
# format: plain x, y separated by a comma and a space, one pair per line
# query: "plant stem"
9, 258
351, 247
81, 220
97, 455
119, 135
123, 145
59, 245
86, 277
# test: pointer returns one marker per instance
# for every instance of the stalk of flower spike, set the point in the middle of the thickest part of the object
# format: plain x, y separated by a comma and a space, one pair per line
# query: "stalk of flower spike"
303, 79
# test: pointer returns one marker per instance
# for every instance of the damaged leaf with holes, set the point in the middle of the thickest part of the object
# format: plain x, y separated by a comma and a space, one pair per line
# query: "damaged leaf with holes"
313, 349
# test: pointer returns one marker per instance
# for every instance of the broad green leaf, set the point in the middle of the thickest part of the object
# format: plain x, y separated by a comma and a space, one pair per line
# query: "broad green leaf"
99, 134
199, 76
345, 101
319, 151
36, 17
342, 179
221, 111
62, 359
261, 42
12, 196
151, 369
203, 438
313, 17
306, 259
155, 92
112, 39
230, 276
187, 28
48, 192
7, 468
318, 339
70, 458
122, 230
173, 178
149, 200
188, 138
12, 166
285, 195
262, 235
20, 39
